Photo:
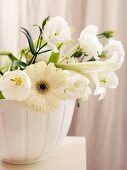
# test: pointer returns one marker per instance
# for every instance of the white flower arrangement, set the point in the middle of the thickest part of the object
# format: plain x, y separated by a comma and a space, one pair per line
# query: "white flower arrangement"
40, 77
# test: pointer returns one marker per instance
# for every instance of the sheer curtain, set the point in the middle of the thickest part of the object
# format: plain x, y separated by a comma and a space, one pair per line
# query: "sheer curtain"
103, 123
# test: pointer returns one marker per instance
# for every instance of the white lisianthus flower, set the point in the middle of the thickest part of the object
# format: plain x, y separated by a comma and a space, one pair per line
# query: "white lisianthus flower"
100, 91
77, 87
15, 85
115, 51
56, 31
89, 42
104, 80
44, 56
48, 84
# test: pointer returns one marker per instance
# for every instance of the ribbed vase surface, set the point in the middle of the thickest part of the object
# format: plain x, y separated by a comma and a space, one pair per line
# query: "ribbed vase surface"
27, 136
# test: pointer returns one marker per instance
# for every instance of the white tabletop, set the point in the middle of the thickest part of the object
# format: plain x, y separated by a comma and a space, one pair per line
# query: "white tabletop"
69, 156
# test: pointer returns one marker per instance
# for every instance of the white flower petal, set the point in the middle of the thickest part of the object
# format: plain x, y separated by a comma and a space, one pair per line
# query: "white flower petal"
89, 42
77, 87
115, 51
100, 91
110, 80
56, 31
15, 85
47, 88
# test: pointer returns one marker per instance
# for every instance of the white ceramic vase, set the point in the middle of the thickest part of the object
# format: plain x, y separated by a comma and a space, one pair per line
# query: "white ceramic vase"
26, 136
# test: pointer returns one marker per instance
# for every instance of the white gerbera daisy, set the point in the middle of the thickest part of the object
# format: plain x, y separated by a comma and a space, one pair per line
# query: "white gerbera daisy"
48, 84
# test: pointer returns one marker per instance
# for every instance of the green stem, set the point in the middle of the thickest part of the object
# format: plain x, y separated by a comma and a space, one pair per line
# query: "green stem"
70, 53
9, 54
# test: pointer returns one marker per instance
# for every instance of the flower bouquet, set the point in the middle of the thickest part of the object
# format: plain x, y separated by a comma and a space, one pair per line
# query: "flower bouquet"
42, 79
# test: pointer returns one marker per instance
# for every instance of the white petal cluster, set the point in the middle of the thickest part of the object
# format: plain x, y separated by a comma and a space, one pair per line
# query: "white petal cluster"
89, 42
15, 85
56, 31
114, 51
44, 81
103, 81
77, 87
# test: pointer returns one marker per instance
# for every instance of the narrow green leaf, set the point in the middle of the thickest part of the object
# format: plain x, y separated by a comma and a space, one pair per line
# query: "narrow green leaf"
9, 54
44, 22
30, 41
12, 58
40, 29
19, 63
1, 95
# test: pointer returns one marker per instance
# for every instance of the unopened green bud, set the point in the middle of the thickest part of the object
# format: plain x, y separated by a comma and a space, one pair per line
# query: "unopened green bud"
106, 34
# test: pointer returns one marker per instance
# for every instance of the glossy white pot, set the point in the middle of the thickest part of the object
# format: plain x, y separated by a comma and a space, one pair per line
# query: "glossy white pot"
27, 136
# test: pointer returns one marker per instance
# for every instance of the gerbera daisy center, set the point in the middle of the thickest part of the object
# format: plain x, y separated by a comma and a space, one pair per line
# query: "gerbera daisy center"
42, 87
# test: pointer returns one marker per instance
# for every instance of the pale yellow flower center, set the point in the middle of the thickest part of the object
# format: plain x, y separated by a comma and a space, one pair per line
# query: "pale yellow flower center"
103, 81
17, 81
42, 87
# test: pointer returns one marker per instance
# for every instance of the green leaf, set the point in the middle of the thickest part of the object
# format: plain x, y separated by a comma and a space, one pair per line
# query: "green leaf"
30, 41
9, 54
44, 22
12, 57
19, 63
54, 58
40, 29
1, 95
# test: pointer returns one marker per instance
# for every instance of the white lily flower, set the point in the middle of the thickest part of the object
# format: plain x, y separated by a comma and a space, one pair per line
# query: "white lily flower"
115, 51
89, 42
85, 68
104, 80
56, 31
44, 56
15, 85
77, 87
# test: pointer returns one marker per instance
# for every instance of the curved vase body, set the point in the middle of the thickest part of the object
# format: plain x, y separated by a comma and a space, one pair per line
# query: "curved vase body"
27, 136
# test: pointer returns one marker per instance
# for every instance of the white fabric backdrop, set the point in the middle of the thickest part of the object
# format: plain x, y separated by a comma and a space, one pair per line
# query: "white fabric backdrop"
103, 123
